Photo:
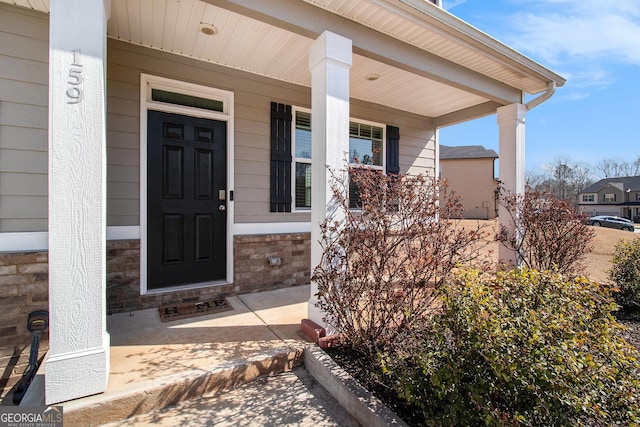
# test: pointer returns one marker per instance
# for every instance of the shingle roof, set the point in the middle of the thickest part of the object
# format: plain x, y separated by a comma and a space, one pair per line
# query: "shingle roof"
466, 152
632, 182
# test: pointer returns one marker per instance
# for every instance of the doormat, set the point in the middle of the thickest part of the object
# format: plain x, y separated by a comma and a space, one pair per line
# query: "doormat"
192, 309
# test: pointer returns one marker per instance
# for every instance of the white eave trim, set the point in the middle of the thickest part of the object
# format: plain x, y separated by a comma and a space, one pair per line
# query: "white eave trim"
421, 12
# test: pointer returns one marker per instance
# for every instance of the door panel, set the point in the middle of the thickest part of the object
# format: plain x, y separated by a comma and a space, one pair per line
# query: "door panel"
172, 239
186, 220
173, 182
204, 174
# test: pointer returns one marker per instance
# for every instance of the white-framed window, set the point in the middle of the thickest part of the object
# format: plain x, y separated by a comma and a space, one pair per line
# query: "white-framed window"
366, 144
610, 197
366, 149
588, 198
301, 159
637, 197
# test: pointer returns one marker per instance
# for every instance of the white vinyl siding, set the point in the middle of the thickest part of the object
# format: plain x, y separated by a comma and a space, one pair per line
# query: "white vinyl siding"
24, 118
24, 53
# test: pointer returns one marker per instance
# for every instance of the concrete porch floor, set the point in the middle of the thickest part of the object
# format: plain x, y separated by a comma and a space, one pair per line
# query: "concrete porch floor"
156, 364
144, 348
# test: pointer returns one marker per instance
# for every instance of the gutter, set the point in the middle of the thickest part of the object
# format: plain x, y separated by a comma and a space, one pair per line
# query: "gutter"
551, 88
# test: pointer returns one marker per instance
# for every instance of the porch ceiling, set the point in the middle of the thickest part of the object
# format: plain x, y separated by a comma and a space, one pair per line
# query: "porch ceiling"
262, 46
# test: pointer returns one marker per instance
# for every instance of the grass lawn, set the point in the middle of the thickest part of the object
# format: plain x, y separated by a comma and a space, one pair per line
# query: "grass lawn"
597, 262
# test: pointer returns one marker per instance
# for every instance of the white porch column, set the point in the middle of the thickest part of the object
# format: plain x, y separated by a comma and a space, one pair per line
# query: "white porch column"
511, 120
330, 59
78, 362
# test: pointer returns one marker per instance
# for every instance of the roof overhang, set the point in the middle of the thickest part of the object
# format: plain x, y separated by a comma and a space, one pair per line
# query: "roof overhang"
426, 61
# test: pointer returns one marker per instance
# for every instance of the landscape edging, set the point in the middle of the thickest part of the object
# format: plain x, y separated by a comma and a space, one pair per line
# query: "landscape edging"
359, 403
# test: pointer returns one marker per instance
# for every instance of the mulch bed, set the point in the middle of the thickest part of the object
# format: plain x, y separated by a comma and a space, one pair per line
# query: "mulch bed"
359, 368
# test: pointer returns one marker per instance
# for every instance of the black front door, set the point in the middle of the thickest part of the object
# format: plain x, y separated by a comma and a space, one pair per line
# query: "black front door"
186, 200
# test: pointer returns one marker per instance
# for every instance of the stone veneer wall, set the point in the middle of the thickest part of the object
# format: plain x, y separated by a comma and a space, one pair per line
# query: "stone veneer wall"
252, 271
123, 282
24, 286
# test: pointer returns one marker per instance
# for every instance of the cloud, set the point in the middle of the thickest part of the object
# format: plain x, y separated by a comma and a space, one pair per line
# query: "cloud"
450, 4
585, 37
560, 29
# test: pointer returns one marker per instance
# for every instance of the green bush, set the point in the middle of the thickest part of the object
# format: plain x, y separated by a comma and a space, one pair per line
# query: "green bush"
625, 273
522, 348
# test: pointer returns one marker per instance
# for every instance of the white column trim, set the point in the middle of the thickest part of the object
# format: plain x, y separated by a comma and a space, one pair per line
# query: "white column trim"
511, 124
330, 60
77, 206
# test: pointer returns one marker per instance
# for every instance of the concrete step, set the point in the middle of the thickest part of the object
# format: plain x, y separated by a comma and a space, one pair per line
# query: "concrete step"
153, 395
289, 399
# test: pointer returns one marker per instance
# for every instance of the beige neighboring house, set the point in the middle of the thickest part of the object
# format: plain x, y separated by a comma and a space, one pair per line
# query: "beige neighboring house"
470, 172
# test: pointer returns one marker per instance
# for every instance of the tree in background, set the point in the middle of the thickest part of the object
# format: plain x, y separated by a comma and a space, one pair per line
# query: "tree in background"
563, 178
609, 168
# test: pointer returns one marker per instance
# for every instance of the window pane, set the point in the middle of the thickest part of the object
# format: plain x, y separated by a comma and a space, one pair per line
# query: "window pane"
365, 144
365, 151
354, 194
303, 135
186, 100
303, 185
303, 143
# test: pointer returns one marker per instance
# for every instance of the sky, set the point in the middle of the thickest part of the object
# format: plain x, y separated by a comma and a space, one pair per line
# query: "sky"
595, 45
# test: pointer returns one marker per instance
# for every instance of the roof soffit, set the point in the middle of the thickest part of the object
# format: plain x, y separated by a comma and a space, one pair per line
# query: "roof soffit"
308, 19
435, 30
271, 38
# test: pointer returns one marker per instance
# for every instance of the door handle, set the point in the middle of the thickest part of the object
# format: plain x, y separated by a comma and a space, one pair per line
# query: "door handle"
222, 208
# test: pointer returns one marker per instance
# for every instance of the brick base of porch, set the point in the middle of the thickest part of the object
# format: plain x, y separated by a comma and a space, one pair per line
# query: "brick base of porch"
24, 286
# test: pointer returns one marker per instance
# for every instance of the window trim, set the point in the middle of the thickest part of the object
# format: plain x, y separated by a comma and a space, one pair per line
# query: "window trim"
606, 199
294, 160
383, 153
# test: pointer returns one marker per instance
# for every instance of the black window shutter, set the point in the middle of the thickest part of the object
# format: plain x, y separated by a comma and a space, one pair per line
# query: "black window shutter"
393, 150
280, 157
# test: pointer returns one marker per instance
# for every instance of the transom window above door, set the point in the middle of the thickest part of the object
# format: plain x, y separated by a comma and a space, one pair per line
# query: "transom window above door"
163, 94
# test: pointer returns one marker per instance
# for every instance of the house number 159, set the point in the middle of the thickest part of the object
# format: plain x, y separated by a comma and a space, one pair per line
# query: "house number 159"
74, 79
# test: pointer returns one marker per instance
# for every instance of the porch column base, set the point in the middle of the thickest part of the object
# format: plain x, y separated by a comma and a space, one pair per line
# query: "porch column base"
511, 124
65, 376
